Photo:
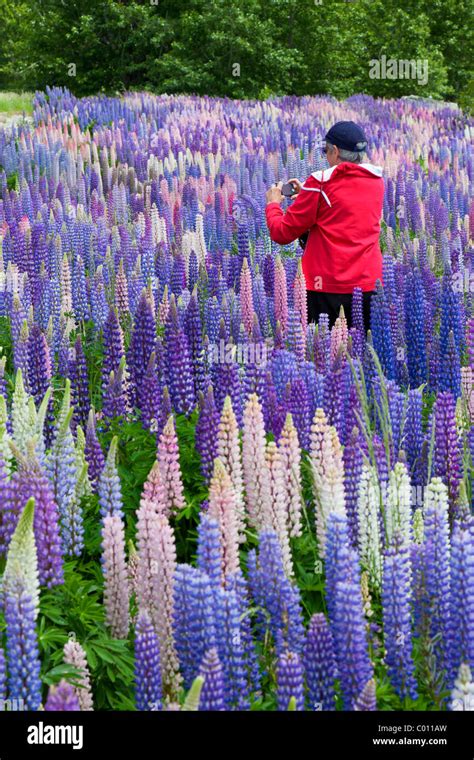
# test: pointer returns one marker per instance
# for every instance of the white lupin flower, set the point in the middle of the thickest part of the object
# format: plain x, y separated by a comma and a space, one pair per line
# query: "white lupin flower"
328, 474
23, 426
398, 507
21, 557
462, 695
368, 510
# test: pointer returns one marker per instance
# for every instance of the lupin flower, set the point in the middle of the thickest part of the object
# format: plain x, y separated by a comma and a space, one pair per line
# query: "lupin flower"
290, 681
275, 513
75, 655
280, 294
110, 494
366, 700
62, 697
369, 542
255, 469
353, 662
114, 568
228, 450
437, 567
396, 604
206, 432
275, 593
328, 474
93, 451
246, 299
290, 457
223, 507
448, 449
462, 695
148, 692
320, 664
461, 639
79, 384
30, 481
193, 619
212, 694
20, 591
178, 372
398, 511
142, 344
168, 458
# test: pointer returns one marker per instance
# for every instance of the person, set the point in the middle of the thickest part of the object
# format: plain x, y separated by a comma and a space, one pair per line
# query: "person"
341, 210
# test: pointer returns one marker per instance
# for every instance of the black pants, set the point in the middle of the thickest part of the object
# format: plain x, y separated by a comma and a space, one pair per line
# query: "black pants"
330, 304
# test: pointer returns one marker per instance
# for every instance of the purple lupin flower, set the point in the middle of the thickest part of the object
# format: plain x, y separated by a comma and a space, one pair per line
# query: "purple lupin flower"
62, 697
320, 664
3, 676
290, 681
142, 344
79, 385
353, 458
8, 508
207, 428
212, 693
396, 605
178, 371
448, 448
150, 394
93, 450
113, 345
30, 481
148, 692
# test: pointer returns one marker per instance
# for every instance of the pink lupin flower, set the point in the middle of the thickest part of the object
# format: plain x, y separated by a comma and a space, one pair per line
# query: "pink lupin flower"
228, 450
246, 298
256, 476
152, 503
114, 567
339, 336
75, 655
290, 455
299, 296
164, 307
121, 291
328, 474
281, 294
168, 458
163, 589
223, 508
275, 515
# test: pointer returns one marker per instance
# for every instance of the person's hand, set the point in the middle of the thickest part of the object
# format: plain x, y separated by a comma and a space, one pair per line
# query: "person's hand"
274, 194
296, 184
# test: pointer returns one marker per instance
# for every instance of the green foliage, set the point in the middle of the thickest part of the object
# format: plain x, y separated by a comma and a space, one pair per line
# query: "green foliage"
243, 49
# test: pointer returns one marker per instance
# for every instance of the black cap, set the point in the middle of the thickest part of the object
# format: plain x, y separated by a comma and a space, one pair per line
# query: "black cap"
348, 136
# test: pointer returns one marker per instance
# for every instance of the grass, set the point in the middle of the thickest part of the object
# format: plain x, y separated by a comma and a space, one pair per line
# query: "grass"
12, 103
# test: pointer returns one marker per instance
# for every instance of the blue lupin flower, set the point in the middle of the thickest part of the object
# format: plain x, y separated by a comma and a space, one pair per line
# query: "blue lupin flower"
148, 692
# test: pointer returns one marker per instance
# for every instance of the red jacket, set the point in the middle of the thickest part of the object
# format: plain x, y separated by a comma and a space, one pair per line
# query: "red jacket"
342, 209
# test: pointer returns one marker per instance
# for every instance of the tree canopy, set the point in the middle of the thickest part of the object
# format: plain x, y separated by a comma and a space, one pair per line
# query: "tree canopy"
237, 48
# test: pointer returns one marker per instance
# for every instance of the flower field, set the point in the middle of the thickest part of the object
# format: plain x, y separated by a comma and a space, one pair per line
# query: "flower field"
205, 502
